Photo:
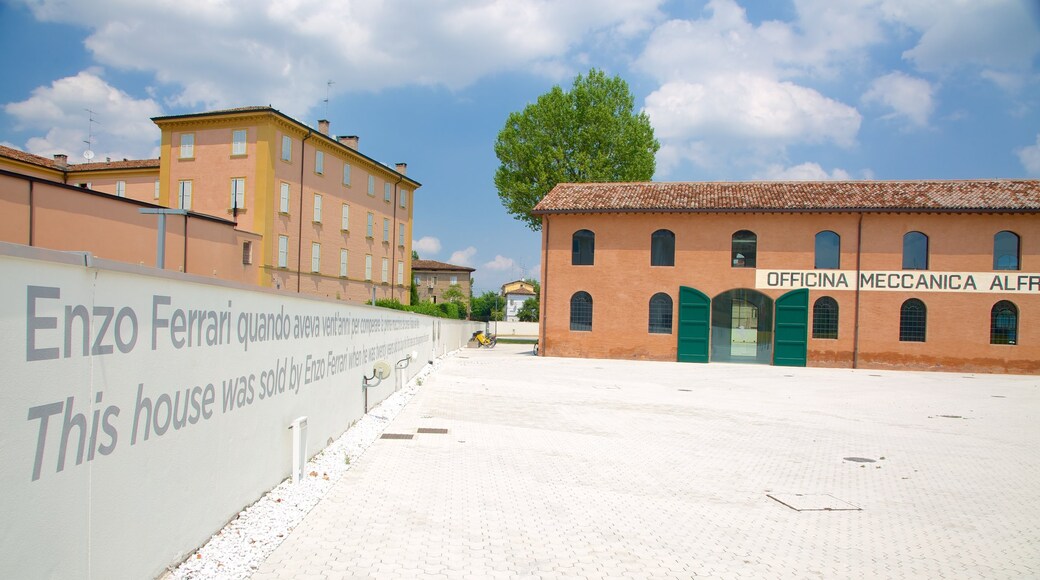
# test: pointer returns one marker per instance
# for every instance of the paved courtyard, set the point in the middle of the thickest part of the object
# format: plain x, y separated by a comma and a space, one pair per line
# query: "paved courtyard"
568, 468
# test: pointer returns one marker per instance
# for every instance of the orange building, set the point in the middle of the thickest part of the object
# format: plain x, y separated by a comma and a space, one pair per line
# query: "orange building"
936, 275
320, 217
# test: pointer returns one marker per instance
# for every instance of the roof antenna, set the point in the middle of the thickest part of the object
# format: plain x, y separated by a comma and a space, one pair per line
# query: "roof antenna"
328, 88
88, 154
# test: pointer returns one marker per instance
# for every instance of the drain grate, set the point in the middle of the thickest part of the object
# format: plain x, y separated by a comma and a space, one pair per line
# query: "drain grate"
813, 502
396, 436
860, 459
435, 430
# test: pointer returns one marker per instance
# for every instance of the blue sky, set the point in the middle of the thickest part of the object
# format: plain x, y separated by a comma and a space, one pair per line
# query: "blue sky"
735, 89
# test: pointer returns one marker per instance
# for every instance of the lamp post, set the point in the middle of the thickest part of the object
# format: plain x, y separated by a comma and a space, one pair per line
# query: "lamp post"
160, 255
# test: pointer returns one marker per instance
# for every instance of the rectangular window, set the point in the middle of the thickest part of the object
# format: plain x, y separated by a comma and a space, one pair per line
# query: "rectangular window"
315, 257
386, 230
400, 235
454, 279
283, 204
404, 198
371, 185
247, 253
400, 272
369, 225
368, 266
187, 145
238, 192
156, 189
184, 194
319, 162
286, 148
345, 225
346, 174
386, 270
283, 251
238, 142
416, 279
317, 208
120, 188
342, 263
386, 192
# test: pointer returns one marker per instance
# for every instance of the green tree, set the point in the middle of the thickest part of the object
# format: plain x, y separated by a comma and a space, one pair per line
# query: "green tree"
487, 306
528, 311
415, 255
589, 134
454, 295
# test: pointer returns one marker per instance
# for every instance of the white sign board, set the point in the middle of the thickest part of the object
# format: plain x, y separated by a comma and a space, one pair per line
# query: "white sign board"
900, 280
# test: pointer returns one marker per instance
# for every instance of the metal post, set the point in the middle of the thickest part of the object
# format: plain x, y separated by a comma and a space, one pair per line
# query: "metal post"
160, 252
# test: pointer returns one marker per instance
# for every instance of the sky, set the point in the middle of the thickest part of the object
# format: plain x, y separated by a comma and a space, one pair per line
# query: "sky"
735, 89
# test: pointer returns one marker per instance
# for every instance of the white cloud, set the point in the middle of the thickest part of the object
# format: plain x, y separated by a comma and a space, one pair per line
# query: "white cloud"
500, 264
803, 172
463, 257
1030, 157
426, 246
908, 97
279, 52
123, 125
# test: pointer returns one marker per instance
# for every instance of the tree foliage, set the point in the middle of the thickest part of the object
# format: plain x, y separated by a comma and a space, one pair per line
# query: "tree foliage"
487, 306
588, 134
528, 311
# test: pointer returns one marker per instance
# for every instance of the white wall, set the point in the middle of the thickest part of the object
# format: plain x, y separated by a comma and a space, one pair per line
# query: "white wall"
519, 329
90, 491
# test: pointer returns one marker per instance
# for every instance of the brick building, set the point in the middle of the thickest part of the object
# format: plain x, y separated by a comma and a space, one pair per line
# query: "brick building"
938, 275
433, 278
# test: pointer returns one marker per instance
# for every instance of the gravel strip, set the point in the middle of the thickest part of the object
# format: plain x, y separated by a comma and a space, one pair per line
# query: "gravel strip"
236, 551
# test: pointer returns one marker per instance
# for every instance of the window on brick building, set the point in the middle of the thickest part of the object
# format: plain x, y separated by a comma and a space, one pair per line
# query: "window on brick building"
583, 248
913, 319
915, 251
1003, 323
660, 314
662, 248
825, 318
828, 250
1005, 251
581, 311
744, 249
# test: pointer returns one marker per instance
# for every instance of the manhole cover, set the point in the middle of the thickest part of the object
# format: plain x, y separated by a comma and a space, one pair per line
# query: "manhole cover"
436, 430
686, 390
951, 416
860, 459
998, 396
396, 436
813, 502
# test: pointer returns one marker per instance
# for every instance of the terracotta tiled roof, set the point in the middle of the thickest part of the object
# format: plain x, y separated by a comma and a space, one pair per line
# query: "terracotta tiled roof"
24, 157
993, 194
435, 265
124, 164
97, 166
522, 291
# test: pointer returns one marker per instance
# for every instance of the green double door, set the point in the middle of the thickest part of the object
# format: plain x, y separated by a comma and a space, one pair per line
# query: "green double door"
791, 325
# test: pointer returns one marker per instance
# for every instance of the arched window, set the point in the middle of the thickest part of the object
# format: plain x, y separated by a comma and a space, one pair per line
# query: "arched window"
661, 314
581, 311
1003, 323
915, 251
1005, 251
913, 320
583, 248
745, 246
825, 318
662, 248
828, 250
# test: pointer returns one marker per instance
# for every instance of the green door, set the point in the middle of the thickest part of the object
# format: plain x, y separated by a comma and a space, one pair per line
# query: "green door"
694, 325
792, 326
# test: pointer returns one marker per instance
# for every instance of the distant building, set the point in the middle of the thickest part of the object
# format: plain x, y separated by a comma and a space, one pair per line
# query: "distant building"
516, 293
433, 278
321, 217
931, 275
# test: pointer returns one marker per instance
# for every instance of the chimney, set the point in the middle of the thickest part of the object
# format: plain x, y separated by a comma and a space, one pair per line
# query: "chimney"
402, 168
350, 141
323, 126
61, 160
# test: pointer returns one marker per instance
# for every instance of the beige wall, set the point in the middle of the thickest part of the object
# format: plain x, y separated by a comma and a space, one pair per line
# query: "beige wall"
433, 284
622, 281
71, 219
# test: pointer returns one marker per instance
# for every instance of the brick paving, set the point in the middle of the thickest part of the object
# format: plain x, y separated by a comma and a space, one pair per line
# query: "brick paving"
569, 468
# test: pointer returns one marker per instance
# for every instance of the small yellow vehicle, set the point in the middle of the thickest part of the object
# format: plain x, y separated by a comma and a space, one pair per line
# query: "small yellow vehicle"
487, 340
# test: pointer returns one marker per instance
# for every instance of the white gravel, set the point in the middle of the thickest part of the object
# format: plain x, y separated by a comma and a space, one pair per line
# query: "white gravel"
236, 551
